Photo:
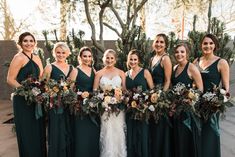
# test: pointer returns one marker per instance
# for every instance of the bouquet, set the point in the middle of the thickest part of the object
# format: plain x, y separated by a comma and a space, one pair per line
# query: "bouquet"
159, 99
59, 93
138, 105
33, 91
213, 102
184, 99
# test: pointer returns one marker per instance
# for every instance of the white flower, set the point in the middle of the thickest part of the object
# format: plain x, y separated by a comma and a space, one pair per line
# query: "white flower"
136, 95
151, 108
146, 97
79, 93
63, 83
100, 95
91, 104
12, 95
36, 91
113, 100
222, 91
225, 99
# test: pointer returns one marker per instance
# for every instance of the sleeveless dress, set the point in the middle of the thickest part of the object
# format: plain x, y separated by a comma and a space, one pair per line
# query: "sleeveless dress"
59, 129
30, 132
186, 133
86, 132
161, 133
210, 129
113, 129
137, 131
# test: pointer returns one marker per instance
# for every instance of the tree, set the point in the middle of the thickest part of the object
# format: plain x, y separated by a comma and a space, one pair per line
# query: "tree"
10, 28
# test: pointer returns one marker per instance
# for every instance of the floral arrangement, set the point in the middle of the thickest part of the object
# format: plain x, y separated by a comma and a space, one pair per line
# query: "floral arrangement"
160, 101
60, 94
33, 91
214, 102
184, 99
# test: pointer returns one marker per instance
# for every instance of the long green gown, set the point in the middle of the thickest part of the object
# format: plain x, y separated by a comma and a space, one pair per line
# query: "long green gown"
86, 132
161, 134
137, 131
186, 126
59, 129
30, 131
210, 129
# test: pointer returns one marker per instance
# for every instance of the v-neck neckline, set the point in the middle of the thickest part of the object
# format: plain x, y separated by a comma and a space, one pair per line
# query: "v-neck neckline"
66, 75
85, 73
135, 75
203, 69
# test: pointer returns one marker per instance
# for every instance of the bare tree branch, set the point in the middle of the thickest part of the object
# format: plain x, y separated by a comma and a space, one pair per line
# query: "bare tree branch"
117, 16
93, 30
112, 28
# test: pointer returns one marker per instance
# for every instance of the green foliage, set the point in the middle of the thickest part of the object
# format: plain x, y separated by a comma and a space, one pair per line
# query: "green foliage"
74, 41
133, 39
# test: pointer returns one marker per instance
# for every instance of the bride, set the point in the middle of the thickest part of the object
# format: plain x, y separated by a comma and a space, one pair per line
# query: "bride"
113, 129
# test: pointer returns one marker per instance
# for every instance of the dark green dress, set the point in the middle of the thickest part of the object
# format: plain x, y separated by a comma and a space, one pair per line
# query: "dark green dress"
137, 131
210, 129
86, 132
59, 132
30, 131
161, 133
186, 132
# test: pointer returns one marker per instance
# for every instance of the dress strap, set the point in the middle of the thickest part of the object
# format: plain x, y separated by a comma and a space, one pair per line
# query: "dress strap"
70, 70
30, 58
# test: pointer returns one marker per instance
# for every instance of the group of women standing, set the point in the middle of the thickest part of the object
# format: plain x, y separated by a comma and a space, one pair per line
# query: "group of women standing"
119, 135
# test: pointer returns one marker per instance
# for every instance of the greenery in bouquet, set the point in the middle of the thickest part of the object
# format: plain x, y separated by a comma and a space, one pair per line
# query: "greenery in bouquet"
33, 90
184, 99
86, 104
159, 99
59, 93
213, 102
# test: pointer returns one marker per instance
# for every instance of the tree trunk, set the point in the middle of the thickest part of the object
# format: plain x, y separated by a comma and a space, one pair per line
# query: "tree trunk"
63, 19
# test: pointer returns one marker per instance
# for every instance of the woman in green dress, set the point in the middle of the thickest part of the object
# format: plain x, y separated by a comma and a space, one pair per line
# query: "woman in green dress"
214, 70
59, 129
161, 69
186, 127
29, 130
86, 128
137, 131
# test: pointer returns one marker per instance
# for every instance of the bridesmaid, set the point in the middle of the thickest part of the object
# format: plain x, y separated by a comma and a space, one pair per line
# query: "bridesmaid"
30, 131
59, 142
161, 69
213, 70
186, 137
86, 132
137, 131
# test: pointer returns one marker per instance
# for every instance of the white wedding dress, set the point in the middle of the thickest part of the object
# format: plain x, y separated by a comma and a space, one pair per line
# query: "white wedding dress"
113, 129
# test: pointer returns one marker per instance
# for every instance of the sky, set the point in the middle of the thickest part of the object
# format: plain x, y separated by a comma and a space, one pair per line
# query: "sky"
157, 21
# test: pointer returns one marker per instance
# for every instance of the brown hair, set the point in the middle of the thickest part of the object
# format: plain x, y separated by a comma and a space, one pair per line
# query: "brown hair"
186, 46
164, 36
213, 38
22, 36
132, 52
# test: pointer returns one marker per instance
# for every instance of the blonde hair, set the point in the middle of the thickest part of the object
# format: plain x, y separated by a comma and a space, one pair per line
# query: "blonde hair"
107, 52
61, 45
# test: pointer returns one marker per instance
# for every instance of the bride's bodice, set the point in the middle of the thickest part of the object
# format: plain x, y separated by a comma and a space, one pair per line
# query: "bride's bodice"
114, 82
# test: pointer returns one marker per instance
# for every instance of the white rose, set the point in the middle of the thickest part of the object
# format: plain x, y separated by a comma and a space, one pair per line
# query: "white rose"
222, 91
151, 108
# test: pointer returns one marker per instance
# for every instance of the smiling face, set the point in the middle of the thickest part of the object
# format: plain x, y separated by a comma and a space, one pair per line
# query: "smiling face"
28, 43
60, 54
208, 46
86, 58
181, 54
109, 59
133, 61
159, 44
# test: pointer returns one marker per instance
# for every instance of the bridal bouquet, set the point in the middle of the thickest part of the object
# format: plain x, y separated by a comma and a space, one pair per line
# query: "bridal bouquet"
214, 102
184, 99
111, 100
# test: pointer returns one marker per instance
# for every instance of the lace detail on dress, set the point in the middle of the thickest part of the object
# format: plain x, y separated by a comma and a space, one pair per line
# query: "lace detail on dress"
113, 129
